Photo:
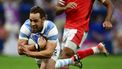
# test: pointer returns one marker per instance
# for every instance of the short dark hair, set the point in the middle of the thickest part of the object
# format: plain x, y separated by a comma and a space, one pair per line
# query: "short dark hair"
37, 9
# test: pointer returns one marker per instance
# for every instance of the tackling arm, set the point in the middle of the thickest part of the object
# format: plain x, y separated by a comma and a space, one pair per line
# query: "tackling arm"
47, 53
24, 43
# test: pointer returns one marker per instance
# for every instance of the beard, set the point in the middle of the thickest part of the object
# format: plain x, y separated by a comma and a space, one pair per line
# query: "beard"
36, 29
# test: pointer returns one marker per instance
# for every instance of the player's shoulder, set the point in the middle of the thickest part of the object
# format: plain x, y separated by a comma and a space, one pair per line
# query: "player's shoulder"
26, 25
27, 21
49, 24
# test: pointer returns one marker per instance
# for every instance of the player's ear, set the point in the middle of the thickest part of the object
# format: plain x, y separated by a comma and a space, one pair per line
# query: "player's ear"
43, 18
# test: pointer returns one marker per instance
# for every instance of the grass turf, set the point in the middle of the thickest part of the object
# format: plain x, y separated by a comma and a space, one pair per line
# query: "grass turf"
93, 62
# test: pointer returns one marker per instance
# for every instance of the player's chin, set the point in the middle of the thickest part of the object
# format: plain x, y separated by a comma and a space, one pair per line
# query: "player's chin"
34, 31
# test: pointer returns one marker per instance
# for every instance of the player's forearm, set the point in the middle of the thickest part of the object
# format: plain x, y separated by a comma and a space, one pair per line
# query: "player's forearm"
41, 54
109, 7
29, 47
20, 51
59, 10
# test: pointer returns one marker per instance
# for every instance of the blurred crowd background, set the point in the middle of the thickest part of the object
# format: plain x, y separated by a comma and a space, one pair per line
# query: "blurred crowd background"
13, 13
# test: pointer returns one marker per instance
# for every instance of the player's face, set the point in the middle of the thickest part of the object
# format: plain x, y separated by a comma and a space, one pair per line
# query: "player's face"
36, 22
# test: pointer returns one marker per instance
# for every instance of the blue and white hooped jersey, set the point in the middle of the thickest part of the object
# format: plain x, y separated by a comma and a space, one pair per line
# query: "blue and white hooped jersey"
49, 31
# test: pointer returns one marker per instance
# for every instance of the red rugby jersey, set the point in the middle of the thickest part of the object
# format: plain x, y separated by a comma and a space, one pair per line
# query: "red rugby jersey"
79, 17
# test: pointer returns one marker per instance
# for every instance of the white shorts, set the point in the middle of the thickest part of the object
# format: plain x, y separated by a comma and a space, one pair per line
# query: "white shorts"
72, 38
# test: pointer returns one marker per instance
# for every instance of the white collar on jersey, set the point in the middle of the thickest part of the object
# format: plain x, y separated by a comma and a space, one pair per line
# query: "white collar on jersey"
44, 26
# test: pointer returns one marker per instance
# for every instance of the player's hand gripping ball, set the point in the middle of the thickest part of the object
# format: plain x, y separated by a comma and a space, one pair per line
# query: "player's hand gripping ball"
42, 42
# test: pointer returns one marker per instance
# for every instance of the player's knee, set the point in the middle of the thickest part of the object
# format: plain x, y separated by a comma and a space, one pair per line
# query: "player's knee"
67, 52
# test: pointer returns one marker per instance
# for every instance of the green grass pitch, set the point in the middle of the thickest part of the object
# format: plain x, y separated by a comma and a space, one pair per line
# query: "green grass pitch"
93, 62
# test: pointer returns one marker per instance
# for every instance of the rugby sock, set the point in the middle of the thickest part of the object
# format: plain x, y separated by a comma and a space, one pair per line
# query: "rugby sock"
63, 62
84, 53
90, 51
96, 50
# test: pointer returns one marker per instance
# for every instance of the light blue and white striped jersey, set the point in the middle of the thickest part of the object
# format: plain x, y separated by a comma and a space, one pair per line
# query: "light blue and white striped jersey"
49, 31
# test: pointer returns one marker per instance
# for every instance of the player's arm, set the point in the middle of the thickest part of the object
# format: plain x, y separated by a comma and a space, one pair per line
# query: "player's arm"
51, 44
23, 39
108, 4
109, 7
61, 7
46, 53
24, 44
20, 44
